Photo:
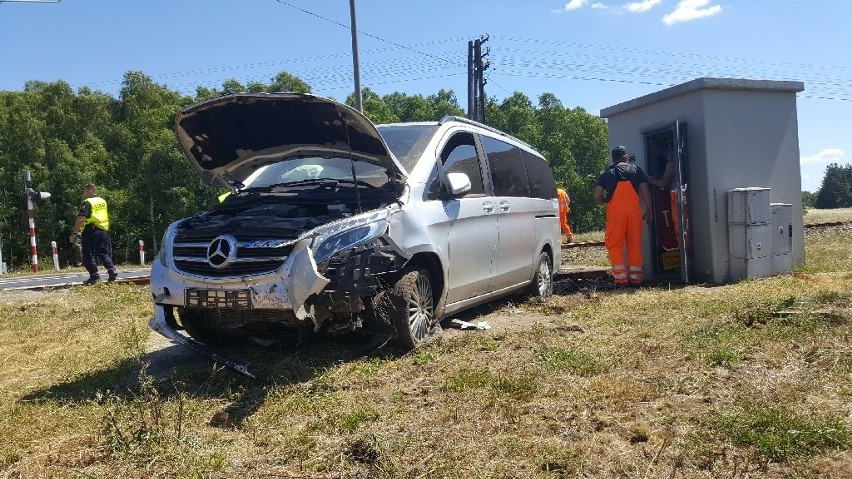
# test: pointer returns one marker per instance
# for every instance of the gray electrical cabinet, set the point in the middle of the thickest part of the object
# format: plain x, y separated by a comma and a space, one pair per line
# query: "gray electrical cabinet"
781, 226
749, 233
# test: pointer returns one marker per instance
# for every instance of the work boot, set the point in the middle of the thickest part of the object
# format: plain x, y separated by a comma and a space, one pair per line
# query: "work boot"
92, 280
112, 276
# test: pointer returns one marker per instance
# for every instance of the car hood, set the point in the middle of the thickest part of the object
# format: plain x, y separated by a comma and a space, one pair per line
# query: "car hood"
226, 139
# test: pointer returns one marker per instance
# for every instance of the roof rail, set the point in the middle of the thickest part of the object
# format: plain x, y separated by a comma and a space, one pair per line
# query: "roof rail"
462, 119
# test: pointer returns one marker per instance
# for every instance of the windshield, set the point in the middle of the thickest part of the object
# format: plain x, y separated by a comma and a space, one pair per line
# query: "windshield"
299, 170
407, 142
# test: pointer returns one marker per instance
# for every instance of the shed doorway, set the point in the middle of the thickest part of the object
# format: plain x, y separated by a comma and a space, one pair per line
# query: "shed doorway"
665, 152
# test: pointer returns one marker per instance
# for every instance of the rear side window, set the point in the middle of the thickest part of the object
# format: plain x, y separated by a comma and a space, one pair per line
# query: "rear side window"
459, 156
508, 171
542, 184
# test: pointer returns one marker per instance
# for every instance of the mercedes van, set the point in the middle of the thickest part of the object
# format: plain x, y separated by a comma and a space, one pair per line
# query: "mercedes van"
334, 223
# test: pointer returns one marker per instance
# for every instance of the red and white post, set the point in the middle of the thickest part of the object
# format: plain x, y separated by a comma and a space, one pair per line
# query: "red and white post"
31, 217
142, 252
55, 255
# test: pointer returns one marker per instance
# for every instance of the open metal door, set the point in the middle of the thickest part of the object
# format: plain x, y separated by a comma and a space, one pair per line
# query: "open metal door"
666, 167
681, 188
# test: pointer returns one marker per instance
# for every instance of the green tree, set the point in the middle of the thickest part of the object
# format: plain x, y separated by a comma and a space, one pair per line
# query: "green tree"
285, 82
156, 185
809, 199
374, 107
445, 103
836, 188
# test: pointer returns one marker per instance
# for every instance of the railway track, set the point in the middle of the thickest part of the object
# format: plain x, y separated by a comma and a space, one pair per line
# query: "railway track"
833, 224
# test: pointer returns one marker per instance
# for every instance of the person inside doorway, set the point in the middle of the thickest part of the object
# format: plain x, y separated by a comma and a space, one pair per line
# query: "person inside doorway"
666, 181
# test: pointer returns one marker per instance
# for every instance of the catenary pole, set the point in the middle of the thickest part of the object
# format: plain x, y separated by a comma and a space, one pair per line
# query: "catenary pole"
355, 63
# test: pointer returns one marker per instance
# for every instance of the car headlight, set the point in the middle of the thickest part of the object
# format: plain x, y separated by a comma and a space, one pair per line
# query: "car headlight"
347, 239
165, 253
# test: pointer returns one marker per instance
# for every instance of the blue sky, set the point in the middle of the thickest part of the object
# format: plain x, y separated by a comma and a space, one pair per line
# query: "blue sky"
590, 54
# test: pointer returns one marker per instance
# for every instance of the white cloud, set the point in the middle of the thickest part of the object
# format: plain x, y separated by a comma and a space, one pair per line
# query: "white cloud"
828, 155
575, 4
642, 6
688, 10
599, 6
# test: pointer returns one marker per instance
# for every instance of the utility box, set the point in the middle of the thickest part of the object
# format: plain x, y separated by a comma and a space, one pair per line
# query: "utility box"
718, 135
749, 233
781, 223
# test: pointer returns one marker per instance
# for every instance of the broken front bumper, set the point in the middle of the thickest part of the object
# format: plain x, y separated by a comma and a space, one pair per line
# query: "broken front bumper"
159, 324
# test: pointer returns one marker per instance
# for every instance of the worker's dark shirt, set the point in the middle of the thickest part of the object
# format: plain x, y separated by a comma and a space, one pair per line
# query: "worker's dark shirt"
85, 210
609, 178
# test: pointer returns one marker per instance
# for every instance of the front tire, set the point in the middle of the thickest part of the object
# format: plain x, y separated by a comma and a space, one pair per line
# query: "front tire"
414, 309
542, 282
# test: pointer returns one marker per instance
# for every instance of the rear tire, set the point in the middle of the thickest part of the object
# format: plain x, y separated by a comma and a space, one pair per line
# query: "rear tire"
542, 282
413, 312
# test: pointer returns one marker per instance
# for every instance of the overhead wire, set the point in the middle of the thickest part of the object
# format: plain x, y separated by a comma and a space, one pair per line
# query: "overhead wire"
591, 63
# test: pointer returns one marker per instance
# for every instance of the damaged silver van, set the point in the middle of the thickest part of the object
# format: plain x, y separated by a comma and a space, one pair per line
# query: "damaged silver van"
334, 223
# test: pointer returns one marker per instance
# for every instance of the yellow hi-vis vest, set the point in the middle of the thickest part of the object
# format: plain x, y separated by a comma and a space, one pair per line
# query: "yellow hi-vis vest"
99, 217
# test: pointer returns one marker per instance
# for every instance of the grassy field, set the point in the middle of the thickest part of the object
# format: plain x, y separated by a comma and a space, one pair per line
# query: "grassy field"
752, 379
814, 216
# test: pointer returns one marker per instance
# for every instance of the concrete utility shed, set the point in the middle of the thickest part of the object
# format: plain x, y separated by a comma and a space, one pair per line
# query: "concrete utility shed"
722, 134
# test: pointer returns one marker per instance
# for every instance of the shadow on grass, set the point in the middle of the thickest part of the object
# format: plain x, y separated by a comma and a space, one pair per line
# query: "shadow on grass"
87, 386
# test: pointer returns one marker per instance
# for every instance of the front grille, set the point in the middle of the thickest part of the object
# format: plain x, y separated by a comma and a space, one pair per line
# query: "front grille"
254, 256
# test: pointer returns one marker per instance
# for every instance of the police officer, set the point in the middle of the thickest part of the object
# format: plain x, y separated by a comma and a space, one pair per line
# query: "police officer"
93, 221
621, 186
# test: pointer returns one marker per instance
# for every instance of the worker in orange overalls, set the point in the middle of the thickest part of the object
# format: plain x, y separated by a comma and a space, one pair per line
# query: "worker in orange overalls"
564, 209
621, 186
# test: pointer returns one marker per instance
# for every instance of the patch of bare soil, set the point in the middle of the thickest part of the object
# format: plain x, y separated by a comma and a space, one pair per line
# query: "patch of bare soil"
521, 312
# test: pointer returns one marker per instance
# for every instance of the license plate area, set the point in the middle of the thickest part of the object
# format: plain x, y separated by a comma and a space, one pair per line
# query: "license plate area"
216, 298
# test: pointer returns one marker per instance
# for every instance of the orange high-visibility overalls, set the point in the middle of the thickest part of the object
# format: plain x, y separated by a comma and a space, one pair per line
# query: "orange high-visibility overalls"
624, 226
564, 209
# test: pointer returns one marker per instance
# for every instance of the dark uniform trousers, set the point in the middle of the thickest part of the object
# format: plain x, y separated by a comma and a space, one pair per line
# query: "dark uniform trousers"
96, 244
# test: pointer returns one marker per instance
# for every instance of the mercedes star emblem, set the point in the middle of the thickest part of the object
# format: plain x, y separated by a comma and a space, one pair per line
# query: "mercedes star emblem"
222, 251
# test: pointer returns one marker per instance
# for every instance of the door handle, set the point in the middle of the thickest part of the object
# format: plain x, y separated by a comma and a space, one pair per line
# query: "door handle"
504, 206
487, 206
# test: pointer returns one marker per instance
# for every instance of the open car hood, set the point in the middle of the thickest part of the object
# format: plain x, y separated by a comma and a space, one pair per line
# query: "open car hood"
226, 139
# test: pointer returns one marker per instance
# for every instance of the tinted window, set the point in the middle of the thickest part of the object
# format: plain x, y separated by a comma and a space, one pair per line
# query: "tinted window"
407, 142
459, 156
540, 175
508, 172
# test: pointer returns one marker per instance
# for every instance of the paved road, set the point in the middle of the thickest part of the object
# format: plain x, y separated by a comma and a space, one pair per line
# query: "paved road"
53, 279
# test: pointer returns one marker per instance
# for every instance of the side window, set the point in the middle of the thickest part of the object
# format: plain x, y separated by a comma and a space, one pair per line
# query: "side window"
542, 184
508, 172
459, 156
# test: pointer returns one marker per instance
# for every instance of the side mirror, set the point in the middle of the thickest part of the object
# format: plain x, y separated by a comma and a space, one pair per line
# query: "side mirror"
458, 184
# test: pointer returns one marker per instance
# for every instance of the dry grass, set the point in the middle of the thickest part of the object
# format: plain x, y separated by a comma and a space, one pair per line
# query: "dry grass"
815, 216
752, 379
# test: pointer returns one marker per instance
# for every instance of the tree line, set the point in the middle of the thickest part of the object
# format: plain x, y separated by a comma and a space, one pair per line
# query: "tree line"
126, 146
836, 188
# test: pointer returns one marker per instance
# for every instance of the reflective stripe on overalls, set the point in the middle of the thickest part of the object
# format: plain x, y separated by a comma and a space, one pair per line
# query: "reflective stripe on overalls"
624, 227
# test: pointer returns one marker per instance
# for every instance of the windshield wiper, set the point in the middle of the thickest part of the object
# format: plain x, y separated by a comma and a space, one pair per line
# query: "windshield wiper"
297, 183
310, 182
